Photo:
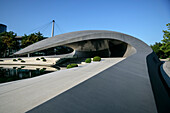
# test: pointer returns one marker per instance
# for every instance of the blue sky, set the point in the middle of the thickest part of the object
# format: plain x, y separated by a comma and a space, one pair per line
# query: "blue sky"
144, 19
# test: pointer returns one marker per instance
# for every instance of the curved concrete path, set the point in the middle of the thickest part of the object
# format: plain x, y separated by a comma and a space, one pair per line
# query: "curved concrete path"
122, 88
166, 67
23, 95
165, 71
131, 86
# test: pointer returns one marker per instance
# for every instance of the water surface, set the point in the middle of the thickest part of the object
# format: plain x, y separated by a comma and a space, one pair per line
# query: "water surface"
13, 72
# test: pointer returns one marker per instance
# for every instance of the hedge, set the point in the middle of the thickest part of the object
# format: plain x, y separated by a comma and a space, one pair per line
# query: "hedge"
71, 66
88, 60
97, 58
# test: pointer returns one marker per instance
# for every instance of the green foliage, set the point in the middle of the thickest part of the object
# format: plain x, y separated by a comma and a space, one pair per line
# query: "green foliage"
97, 58
74, 65
30, 39
22, 66
8, 43
22, 61
42, 70
44, 60
88, 60
14, 67
19, 59
166, 41
71, 66
163, 49
42, 57
14, 59
37, 59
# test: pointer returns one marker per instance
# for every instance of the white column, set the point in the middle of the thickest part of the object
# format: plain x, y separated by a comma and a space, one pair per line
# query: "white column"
52, 29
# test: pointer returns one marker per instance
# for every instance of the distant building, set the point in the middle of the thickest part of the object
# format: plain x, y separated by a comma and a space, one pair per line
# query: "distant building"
2, 28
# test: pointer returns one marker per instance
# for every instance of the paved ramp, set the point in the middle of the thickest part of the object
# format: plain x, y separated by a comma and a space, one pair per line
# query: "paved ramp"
23, 95
122, 88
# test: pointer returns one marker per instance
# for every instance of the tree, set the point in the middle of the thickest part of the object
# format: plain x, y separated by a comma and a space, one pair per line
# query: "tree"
162, 49
156, 49
166, 41
30, 39
8, 43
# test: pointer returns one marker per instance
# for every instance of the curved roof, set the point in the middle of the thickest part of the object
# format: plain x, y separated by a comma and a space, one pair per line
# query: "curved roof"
72, 37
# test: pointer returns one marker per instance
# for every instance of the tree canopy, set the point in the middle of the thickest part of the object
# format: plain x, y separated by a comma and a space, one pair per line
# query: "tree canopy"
162, 49
10, 44
7, 42
30, 39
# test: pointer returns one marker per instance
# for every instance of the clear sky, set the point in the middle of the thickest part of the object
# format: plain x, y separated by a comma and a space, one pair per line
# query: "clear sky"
144, 19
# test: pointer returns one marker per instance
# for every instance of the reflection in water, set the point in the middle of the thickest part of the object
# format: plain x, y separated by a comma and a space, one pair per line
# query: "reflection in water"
22, 72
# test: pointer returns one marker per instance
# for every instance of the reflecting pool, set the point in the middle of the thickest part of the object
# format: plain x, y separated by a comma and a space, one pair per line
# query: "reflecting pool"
14, 72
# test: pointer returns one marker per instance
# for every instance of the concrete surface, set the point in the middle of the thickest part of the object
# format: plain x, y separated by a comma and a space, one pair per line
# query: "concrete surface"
23, 95
29, 61
122, 88
166, 67
160, 89
70, 38
165, 71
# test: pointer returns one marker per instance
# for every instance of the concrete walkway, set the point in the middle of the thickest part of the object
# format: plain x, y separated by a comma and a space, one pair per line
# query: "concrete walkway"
165, 71
122, 88
166, 67
23, 95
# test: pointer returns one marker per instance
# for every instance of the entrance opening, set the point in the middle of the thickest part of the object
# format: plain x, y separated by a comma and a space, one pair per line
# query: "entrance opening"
117, 48
100, 47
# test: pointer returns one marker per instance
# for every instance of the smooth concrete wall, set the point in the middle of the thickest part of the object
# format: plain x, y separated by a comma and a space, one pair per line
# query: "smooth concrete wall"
102, 48
160, 88
129, 51
89, 45
69, 38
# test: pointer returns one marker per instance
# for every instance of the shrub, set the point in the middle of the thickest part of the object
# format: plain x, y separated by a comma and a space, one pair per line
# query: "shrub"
14, 59
22, 66
14, 67
19, 59
44, 60
97, 58
42, 57
71, 66
22, 61
42, 70
37, 59
74, 65
88, 60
